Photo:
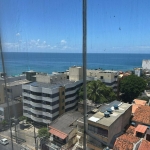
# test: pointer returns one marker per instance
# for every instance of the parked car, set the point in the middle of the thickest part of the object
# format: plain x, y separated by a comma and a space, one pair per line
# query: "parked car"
4, 141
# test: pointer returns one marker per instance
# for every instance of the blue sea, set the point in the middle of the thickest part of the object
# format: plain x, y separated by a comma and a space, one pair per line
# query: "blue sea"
16, 63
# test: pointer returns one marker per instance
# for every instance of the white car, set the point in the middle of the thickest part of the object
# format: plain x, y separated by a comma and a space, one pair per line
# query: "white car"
4, 141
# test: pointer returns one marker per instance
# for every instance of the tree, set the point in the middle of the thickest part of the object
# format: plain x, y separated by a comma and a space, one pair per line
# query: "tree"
98, 92
22, 118
4, 123
43, 132
144, 98
131, 87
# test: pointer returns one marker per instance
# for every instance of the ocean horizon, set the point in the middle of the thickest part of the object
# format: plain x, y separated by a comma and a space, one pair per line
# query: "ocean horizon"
18, 62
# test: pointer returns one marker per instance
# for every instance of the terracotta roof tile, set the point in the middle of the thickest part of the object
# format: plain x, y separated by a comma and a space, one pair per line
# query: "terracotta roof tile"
130, 130
142, 115
125, 142
139, 102
58, 133
141, 128
122, 145
134, 107
145, 145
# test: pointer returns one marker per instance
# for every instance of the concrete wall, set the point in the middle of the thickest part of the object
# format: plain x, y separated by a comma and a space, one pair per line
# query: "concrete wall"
51, 78
108, 77
119, 125
16, 110
75, 73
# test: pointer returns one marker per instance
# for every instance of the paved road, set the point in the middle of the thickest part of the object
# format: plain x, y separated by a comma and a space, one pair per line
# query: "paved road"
27, 136
9, 147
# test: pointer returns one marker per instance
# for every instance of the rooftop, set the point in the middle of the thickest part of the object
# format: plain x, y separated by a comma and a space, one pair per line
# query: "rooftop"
134, 108
145, 145
18, 82
142, 115
141, 128
64, 123
139, 102
107, 121
125, 142
52, 85
130, 130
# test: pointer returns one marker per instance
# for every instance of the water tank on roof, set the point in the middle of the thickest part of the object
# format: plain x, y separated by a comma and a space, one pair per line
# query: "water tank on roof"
116, 107
106, 114
109, 110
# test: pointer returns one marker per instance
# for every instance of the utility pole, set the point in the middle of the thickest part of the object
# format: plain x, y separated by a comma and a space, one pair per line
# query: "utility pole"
84, 53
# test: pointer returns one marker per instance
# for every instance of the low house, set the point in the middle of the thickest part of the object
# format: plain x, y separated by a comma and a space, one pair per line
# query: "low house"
63, 131
108, 123
142, 116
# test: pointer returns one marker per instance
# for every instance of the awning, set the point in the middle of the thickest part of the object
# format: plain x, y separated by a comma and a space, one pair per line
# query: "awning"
58, 133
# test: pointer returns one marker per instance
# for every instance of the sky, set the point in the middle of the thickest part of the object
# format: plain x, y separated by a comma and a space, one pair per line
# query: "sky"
113, 26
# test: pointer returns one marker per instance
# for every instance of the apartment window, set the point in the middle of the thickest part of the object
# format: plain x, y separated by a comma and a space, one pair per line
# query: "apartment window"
98, 130
101, 77
62, 107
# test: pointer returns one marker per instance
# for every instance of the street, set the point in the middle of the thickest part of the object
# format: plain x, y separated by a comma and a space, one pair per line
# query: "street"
25, 137
9, 147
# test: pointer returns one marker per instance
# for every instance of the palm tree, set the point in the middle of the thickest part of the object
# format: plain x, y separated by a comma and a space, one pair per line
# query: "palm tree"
98, 92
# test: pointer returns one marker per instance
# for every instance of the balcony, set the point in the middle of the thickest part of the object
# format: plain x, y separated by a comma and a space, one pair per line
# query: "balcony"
26, 94
36, 111
46, 121
26, 108
48, 99
36, 97
36, 119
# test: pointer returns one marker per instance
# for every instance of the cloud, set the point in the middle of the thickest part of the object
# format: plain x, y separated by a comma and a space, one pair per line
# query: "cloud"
18, 34
37, 45
63, 42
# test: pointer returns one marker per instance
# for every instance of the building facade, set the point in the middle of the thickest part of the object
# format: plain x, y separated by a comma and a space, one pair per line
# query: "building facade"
108, 77
49, 97
146, 64
107, 124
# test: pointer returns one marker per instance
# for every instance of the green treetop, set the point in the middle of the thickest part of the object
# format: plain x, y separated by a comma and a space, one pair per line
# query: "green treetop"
131, 87
98, 92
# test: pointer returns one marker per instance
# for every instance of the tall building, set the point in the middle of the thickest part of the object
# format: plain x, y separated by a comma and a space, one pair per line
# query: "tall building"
51, 95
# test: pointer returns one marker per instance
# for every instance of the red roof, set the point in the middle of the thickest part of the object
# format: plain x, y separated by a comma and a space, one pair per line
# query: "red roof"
134, 108
141, 128
125, 142
142, 115
145, 145
130, 130
58, 133
140, 102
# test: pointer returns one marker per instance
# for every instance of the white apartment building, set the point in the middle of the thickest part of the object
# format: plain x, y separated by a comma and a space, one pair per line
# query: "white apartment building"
138, 71
108, 77
50, 96
146, 64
